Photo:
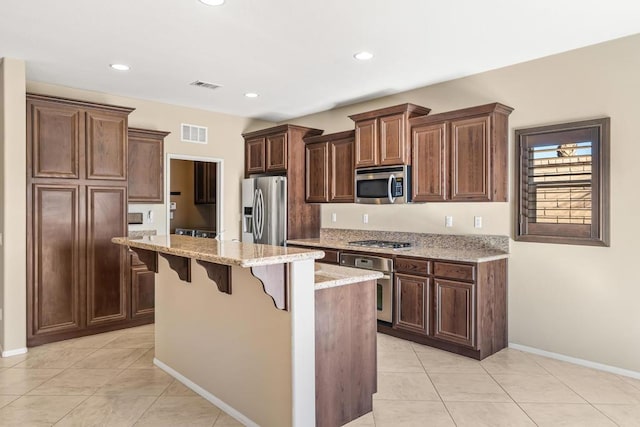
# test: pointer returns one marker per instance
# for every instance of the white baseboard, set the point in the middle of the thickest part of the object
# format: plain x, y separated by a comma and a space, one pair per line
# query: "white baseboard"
576, 361
15, 352
204, 393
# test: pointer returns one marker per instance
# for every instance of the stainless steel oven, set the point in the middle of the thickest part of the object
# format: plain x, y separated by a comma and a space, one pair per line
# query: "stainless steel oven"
384, 287
383, 185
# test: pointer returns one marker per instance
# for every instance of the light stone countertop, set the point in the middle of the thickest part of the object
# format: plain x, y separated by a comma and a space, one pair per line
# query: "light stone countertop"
329, 276
449, 254
221, 252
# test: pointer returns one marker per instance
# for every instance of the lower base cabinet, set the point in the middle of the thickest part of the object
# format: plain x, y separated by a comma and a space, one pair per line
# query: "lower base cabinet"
142, 283
453, 306
412, 308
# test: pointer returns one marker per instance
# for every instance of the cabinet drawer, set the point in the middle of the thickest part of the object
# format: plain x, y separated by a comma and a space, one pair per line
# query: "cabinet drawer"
330, 256
454, 271
413, 266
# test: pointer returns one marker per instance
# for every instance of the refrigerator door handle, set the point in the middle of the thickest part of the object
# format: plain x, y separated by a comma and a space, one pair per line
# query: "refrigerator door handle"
259, 213
254, 217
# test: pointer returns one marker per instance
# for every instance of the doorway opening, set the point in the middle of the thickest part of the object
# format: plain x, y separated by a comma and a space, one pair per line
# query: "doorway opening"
194, 195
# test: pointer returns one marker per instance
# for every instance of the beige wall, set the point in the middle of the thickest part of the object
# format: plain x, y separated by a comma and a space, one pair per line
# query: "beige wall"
577, 301
12, 205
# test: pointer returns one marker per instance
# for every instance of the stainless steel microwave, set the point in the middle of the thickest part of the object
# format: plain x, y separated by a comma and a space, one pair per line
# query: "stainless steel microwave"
383, 185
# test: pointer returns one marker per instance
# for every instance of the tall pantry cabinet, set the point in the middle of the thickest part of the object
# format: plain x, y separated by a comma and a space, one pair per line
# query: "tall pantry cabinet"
76, 202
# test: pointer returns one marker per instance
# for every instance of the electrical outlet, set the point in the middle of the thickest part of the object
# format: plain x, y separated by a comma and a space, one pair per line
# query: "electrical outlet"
334, 217
365, 218
0, 239
0, 314
477, 221
448, 221
150, 217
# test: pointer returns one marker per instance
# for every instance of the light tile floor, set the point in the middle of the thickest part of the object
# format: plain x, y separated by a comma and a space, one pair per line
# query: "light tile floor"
109, 380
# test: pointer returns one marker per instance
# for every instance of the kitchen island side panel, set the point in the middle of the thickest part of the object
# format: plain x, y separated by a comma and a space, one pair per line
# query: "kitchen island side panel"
236, 347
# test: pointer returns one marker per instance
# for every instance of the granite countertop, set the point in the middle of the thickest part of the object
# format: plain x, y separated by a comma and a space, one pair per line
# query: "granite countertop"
220, 252
450, 254
329, 276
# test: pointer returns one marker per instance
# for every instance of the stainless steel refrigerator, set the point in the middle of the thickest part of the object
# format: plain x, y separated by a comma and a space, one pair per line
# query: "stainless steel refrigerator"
264, 210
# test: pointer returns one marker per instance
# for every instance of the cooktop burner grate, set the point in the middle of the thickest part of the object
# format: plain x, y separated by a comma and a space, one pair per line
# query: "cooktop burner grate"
381, 244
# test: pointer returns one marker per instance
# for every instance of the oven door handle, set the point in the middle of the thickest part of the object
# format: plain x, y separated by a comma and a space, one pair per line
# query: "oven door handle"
390, 186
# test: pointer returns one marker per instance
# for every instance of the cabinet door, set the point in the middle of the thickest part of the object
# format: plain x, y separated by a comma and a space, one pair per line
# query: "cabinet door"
199, 182
341, 171
54, 264
317, 172
470, 159
54, 136
211, 179
455, 312
366, 143
393, 141
146, 166
254, 156
412, 304
106, 152
106, 284
142, 291
429, 161
277, 153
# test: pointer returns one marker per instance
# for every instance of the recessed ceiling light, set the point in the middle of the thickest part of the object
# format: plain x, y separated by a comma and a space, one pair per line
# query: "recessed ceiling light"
212, 2
363, 56
120, 67
251, 95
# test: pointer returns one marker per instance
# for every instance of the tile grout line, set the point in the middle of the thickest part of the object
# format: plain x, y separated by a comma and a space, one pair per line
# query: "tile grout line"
581, 396
434, 387
507, 393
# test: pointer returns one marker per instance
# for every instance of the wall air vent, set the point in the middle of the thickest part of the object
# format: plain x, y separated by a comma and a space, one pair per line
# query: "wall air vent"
204, 84
193, 133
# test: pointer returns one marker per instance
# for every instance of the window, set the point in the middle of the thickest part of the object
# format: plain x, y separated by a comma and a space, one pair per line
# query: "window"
562, 176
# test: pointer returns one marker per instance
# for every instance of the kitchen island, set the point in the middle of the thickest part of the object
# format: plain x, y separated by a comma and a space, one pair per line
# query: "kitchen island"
261, 332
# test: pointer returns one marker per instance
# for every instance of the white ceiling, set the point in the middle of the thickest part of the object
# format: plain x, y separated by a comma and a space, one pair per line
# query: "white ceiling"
297, 54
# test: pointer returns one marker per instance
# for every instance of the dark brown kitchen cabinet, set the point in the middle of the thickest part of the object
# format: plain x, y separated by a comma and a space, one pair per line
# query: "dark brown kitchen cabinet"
455, 306
142, 287
280, 151
254, 156
146, 166
382, 136
430, 163
276, 152
76, 203
204, 182
331, 256
412, 304
329, 168
461, 155
266, 154
317, 172
55, 286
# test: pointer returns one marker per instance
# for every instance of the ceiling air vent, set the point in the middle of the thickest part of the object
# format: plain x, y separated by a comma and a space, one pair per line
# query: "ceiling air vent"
193, 133
204, 84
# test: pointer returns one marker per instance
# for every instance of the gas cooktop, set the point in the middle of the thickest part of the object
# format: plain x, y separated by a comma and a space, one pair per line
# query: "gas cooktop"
381, 244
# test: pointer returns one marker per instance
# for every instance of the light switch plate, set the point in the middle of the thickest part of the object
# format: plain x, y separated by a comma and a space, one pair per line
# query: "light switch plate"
365, 218
334, 217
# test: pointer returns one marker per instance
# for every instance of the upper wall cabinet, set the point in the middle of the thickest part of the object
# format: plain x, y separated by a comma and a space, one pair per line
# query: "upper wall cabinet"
461, 155
205, 177
146, 166
76, 140
268, 151
329, 168
382, 136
